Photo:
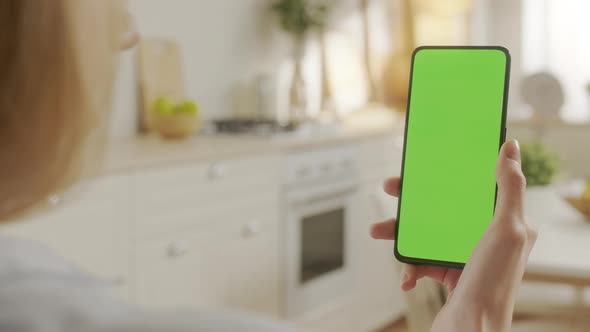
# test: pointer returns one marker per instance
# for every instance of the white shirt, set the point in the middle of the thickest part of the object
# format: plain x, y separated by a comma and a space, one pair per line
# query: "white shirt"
41, 292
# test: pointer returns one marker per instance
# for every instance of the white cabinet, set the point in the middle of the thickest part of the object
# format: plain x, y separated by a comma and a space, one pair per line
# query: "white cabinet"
379, 270
381, 157
172, 199
91, 230
375, 299
235, 266
208, 235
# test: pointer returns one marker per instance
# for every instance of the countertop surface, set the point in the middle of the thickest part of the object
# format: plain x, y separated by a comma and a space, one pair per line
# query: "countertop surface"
562, 248
151, 151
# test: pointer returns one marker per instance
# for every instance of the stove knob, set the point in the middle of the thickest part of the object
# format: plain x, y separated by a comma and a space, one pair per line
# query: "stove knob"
303, 172
177, 249
326, 168
346, 163
216, 171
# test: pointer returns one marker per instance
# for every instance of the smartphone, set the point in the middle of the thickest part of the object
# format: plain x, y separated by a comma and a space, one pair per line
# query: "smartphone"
455, 126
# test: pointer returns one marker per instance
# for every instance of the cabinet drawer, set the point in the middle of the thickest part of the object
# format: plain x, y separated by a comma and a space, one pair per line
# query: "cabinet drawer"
204, 184
179, 216
381, 158
382, 151
235, 267
91, 231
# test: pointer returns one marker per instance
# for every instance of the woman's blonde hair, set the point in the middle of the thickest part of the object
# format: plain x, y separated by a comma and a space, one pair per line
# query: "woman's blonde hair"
57, 60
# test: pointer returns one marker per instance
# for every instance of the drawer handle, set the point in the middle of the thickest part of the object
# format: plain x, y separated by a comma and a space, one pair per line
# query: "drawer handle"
177, 249
54, 200
251, 229
326, 168
303, 172
217, 171
117, 281
346, 163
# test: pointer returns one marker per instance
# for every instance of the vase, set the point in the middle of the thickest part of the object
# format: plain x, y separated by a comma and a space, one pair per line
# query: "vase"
396, 74
373, 97
297, 92
328, 112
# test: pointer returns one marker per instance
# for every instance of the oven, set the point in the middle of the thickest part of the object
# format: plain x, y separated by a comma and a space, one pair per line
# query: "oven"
320, 204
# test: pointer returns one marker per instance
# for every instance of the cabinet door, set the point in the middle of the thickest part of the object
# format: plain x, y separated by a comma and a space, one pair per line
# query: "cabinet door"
381, 156
169, 200
379, 272
233, 265
90, 230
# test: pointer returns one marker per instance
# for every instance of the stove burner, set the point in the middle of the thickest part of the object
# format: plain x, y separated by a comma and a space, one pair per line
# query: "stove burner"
233, 126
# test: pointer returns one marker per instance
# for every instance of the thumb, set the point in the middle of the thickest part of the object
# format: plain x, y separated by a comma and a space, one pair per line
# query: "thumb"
511, 180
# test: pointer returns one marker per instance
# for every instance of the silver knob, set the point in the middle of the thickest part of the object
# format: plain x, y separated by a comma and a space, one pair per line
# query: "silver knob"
251, 229
177, 249
326, 168
54, 200
346, 163
303, 172
217, 171
117, 281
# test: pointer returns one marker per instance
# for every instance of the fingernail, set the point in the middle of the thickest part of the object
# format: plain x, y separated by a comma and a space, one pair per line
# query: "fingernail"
513, 150
405, 277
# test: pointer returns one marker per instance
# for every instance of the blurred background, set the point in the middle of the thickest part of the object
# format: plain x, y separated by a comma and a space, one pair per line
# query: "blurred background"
250, 140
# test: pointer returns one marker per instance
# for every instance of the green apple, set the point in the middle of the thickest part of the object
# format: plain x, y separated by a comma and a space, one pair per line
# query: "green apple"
164, 106
586, 194
188, 107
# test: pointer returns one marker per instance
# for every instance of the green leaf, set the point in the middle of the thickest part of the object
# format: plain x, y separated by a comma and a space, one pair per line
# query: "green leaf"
163, 105
298, 17
539, 164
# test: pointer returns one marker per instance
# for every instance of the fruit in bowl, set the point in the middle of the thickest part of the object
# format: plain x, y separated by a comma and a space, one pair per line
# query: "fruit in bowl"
175, 120
582, 204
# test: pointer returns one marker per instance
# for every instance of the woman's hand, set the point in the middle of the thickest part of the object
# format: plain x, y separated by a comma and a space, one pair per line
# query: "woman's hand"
481, 297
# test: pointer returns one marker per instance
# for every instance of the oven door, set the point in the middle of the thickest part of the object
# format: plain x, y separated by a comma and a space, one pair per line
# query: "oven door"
319, 248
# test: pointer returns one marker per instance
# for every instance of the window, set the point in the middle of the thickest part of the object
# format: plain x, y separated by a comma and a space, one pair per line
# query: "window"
556, 38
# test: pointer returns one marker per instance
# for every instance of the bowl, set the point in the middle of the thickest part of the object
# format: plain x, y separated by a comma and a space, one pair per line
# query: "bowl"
177, 125
580, 204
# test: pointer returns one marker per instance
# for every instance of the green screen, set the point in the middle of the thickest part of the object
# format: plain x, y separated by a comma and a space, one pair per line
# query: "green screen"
455, 120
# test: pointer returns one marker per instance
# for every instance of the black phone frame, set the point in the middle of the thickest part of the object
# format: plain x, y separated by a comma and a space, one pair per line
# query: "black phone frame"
502, 134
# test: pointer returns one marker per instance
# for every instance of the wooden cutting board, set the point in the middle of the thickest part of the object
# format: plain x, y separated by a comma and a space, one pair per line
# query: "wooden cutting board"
160, 74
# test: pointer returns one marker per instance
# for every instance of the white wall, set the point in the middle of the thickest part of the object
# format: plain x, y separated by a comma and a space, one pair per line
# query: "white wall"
230, 41
556, 40
499, 22
223, 41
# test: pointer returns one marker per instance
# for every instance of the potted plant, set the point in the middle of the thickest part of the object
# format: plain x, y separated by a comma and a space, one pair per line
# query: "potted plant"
298, 18
539, 164
175, 120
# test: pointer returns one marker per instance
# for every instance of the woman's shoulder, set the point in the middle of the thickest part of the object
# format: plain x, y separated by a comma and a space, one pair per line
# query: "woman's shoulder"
39, 289
21, 256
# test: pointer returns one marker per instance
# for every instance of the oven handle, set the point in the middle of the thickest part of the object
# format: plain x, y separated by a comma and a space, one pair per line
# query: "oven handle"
326, 195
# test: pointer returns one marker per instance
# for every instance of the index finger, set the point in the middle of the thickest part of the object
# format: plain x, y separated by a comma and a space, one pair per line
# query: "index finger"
391, 186
384, 230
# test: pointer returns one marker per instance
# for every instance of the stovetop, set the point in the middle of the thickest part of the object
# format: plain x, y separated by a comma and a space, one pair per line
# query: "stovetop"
259, 127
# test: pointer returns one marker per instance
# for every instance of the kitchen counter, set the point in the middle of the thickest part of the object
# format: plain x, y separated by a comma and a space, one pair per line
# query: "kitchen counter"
151, 151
